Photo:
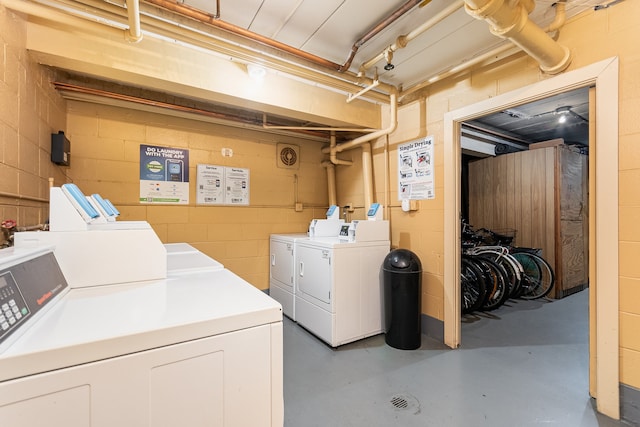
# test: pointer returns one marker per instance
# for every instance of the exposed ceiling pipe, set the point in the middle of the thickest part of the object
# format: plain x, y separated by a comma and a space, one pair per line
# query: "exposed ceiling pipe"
406, 7
108, 19
266, 125
333, 150
92, 94
373, 85
201, 16
33, 9
491, 56
403, 40
494, 54
559, 19
333, 154
133, 11
510, 20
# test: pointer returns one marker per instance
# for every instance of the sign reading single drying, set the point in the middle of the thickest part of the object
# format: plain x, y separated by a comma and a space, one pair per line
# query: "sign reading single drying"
415, 170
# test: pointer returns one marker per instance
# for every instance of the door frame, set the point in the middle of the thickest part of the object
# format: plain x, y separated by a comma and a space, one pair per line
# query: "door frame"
603, 218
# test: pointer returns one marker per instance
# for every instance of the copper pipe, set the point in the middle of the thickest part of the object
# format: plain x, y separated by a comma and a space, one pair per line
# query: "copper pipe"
378, 28
201, 16
183, 109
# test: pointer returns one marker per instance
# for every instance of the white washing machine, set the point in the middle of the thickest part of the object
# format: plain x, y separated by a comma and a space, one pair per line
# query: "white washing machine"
339, 291
101, 325
201, 347
282, 270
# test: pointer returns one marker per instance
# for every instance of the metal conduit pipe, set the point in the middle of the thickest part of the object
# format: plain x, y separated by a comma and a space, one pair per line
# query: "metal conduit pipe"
133, 11
403, 40
511, 21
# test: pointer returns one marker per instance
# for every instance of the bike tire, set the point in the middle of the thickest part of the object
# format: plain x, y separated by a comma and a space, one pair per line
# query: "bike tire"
473, 288
539, 275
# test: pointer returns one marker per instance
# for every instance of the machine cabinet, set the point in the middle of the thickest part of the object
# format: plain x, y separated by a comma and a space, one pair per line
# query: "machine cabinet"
339, 289
214, 381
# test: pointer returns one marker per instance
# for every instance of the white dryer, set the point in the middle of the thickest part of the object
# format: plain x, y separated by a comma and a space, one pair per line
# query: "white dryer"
282, 270
339, 292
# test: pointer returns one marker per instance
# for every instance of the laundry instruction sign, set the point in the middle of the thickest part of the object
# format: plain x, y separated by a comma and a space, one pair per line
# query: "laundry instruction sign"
415, 170
219, 185
164, 175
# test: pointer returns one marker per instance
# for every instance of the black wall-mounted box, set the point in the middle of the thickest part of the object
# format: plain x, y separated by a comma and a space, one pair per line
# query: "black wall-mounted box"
60, 149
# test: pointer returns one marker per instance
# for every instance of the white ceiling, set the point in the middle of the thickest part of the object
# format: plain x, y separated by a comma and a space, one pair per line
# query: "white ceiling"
329, 29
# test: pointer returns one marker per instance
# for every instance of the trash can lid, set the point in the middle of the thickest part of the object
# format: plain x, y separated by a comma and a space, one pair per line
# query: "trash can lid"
402, 260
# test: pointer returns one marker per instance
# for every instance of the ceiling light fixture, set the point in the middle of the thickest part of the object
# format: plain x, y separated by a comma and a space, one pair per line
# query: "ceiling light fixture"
256, 72
563, 112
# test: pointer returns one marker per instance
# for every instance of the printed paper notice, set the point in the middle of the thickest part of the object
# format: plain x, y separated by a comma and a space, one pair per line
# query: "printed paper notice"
237, 186
415, 170
220, 185
210, 185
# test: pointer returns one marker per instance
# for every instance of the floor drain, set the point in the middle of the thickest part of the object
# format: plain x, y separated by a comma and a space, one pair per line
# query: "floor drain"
405, 402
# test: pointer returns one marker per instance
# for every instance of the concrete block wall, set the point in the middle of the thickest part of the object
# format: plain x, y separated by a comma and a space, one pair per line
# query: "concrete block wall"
106, 154
30, 110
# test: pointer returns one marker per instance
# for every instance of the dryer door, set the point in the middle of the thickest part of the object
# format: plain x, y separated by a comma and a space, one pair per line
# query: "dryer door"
281, 262
314, 272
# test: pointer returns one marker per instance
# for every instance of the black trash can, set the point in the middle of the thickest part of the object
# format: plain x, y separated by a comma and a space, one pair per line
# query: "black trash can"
402, 279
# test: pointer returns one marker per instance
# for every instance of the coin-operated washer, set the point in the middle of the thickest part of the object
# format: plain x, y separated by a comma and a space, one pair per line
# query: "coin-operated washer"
282, 249
197, 346
338, 281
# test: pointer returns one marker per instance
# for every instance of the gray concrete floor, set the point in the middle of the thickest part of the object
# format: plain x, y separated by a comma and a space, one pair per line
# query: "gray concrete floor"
525, 364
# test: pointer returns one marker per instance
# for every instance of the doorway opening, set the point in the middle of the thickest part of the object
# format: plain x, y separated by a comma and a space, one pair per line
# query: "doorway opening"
603, 221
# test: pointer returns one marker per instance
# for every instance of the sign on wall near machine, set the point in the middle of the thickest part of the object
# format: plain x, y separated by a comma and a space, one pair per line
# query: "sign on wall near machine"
415, 170
164, 175
220, 185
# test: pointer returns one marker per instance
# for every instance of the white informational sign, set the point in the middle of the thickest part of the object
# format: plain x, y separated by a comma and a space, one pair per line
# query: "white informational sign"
415, 170
164, 175
219, 185
237, 185
210, 185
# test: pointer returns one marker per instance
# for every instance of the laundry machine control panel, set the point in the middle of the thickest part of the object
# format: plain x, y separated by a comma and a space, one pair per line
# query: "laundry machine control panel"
26, 288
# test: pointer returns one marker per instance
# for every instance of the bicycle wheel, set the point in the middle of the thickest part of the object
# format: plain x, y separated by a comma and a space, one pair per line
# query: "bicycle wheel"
472, 286
539, 277
497, 289
511, 270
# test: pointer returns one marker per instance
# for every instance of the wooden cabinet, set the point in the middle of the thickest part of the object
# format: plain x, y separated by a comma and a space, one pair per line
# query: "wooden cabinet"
543, 195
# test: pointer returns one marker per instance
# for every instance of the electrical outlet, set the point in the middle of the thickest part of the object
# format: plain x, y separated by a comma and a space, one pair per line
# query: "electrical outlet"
349, 207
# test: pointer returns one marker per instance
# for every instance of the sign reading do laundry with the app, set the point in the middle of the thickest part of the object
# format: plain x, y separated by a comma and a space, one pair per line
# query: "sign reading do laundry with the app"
164, 175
